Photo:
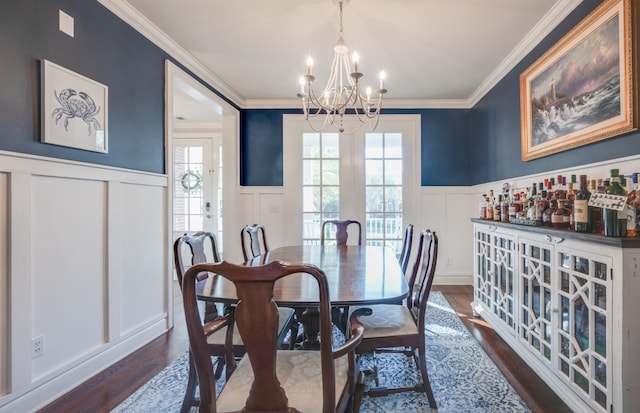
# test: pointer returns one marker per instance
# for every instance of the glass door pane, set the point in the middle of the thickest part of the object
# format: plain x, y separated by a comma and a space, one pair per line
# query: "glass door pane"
320, 182
383, 189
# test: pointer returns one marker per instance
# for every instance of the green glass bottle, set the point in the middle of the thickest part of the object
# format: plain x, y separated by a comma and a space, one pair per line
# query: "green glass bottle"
615, 222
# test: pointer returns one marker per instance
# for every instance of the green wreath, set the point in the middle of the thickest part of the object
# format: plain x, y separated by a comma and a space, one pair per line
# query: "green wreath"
191, 181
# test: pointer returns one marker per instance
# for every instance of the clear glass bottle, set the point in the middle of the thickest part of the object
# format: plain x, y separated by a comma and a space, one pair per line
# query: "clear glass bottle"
488, 212
581, 216
615, 222
482, 208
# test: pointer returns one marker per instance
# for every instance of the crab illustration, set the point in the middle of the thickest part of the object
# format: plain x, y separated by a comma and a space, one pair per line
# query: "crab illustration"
76, 105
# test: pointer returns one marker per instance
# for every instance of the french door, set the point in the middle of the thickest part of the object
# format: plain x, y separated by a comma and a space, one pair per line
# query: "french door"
197, 186
366, 176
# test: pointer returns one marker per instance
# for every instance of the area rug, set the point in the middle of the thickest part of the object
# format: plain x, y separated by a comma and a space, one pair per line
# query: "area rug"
462, 376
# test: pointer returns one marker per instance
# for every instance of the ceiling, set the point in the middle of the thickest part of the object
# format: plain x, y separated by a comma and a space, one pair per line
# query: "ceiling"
436, 53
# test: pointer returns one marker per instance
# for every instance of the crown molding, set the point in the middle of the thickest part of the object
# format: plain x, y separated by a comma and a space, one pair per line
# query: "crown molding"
153, 33
549, 21
388, 104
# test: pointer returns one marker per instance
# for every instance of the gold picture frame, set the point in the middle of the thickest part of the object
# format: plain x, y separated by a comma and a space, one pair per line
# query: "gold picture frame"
583, 89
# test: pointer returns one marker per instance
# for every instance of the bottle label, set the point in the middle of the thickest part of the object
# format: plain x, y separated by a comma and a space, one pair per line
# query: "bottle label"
557, 219
581, 211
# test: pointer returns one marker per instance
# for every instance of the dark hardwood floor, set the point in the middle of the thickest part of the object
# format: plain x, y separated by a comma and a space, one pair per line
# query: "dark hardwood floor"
108, 388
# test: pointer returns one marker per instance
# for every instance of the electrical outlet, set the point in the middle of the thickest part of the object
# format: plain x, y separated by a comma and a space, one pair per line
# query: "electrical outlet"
448, 261
37, 347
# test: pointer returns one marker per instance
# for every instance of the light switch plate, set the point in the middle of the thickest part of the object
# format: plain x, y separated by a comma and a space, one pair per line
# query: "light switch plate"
66, 23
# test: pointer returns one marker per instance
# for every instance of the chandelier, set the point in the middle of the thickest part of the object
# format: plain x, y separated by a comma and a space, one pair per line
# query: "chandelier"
342, 94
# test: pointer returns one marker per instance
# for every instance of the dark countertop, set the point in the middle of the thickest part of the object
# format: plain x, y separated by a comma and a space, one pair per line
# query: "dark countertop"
626, 242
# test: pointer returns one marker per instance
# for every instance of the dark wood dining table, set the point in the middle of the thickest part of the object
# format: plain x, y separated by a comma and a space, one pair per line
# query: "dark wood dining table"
357, 276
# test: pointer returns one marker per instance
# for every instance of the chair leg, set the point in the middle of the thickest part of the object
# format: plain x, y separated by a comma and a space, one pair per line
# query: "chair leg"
422, 362
192, 382
358, 394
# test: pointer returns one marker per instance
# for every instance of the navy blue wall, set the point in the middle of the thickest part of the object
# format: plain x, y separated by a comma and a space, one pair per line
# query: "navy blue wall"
495, 124
104, 49
445, 143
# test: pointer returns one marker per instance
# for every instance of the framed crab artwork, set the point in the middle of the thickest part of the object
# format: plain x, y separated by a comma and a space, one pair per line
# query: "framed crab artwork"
74, 109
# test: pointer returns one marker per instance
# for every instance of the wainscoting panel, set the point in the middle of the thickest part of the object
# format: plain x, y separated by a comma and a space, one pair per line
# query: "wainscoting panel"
142, 276
83, 271
68, 278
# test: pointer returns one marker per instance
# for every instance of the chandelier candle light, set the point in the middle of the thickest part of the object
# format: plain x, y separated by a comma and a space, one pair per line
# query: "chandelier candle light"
342, 93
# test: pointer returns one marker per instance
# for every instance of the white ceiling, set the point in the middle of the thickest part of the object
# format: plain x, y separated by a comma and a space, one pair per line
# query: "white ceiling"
436, 53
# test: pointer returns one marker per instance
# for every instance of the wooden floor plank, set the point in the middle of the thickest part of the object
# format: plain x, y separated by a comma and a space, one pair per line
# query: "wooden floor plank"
110, 387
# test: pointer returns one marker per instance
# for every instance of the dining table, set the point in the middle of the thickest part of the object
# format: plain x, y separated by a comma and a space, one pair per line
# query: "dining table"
357, 275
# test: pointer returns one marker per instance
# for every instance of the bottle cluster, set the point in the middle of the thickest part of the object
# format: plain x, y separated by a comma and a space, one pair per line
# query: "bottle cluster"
564, 204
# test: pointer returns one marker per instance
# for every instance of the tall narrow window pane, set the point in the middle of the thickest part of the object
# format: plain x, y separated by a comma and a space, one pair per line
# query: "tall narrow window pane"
383, 172
321, 180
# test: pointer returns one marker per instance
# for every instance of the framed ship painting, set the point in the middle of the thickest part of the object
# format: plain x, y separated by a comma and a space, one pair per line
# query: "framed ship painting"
583, 89
74, 109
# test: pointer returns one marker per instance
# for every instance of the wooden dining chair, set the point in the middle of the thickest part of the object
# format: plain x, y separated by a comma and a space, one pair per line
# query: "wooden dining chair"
405, 253
202, 248
253, 239
268, 379
393, 326
342, 233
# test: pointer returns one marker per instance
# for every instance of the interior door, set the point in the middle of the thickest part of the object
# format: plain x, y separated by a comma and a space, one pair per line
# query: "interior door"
196, 186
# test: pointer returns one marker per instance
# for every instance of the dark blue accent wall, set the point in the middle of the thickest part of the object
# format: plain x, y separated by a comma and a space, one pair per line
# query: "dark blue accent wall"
445, 146
261, 147
495, 124
104, 49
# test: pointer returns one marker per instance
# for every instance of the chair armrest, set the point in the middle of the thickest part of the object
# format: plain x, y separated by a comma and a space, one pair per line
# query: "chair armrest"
357, 331
218, 324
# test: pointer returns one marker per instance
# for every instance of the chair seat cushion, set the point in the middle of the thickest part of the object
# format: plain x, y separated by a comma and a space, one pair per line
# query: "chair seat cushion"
300, 374
284, 316
387, 320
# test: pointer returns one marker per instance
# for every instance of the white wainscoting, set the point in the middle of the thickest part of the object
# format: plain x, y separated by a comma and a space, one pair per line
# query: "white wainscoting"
83, 264
446, 210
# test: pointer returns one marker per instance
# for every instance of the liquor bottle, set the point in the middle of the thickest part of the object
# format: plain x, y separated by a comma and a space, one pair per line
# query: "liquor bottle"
560, 217
581, 218
615, 223
595, 213
504, 207
630, 207
533, 203
488, 212
514, 207
543, 202
548, 213
483, 207
497, 209
560, 191
636, 199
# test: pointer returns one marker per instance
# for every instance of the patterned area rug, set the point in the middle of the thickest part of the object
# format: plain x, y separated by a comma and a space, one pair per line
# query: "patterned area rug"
462, 376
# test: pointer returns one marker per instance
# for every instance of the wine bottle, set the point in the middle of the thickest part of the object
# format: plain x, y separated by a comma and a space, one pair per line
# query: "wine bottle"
615, 222
581, 218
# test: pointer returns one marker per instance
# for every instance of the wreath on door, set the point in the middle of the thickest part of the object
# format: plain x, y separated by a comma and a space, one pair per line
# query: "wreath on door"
191, 181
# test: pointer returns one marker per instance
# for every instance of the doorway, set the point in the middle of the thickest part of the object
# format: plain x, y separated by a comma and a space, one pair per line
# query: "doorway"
202, 134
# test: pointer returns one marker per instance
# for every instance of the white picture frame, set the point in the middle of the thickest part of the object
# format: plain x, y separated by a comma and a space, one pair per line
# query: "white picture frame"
74, 109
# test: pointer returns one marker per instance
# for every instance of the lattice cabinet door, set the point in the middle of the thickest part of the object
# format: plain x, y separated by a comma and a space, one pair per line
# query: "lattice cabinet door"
584, 307
535, 328
494, 275
483, 280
